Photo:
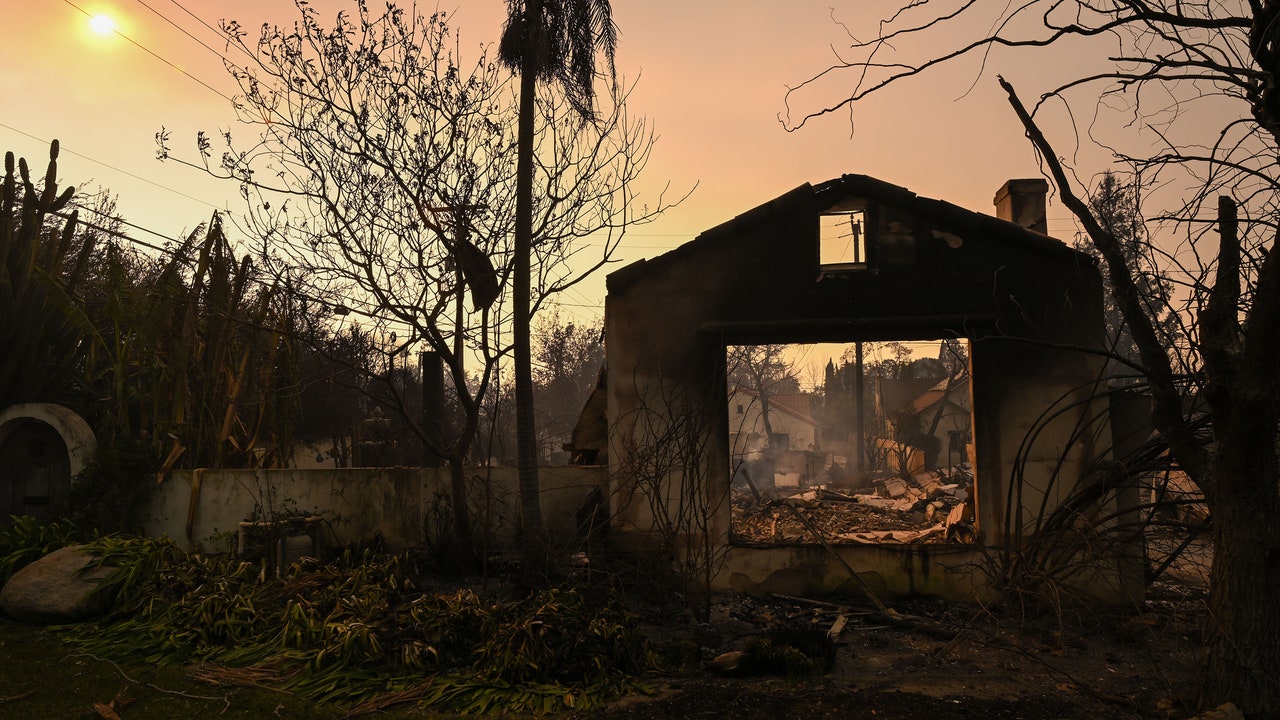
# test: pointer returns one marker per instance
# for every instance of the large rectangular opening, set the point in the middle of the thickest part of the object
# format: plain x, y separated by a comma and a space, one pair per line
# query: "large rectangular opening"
865, 442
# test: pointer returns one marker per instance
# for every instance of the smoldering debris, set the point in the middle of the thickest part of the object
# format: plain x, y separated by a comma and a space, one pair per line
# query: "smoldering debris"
932, 507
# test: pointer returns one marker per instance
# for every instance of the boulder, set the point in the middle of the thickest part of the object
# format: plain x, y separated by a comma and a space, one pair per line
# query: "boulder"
57, 588
731, 664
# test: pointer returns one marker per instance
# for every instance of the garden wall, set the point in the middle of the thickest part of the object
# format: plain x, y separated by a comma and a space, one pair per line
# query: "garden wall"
201, 509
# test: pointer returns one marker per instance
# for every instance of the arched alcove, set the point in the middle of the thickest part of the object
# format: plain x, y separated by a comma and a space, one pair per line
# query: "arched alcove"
42, 447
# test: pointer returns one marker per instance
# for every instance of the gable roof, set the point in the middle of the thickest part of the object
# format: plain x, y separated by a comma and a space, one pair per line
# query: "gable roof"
815, 198
935, 394
778, 404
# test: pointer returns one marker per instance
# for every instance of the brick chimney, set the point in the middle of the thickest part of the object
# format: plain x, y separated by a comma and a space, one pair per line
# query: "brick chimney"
1022, 202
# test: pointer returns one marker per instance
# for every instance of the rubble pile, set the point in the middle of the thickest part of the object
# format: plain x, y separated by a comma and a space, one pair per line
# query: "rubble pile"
932, 507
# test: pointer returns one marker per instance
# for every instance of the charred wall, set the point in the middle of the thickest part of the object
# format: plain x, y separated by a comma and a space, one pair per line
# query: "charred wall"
931, 270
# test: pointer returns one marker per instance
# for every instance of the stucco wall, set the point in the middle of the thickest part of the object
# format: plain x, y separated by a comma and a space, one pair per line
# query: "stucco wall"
75, 432
192, 506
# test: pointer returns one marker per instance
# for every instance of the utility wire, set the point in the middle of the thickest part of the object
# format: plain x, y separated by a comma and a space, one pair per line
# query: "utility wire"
109, 166
122, 236
122, 221
306, 292
183, 30
207, 26
148, 51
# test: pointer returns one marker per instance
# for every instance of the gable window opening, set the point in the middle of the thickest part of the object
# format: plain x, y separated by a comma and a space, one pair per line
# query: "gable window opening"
842, 243
870, 441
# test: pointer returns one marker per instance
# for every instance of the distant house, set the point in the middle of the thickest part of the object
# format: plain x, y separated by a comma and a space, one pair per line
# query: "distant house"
786, 457
955, 423
794, 429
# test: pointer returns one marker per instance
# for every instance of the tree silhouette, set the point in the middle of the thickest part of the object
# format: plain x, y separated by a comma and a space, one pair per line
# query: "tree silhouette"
1116, 205
380, 184
553, 41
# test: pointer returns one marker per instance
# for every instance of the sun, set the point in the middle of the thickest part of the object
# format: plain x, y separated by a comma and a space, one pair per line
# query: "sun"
102, 24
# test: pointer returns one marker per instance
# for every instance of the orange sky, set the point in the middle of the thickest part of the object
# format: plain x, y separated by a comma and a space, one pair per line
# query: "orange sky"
712, 80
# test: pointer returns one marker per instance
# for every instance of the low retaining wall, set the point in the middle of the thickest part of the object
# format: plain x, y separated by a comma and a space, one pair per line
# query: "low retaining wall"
951, 572
401, 505
948, 571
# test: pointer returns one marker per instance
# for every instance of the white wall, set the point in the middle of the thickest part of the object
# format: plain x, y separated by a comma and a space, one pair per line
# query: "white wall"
192, 506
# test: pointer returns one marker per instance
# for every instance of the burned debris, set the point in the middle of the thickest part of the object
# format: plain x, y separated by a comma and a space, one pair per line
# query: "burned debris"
930, 507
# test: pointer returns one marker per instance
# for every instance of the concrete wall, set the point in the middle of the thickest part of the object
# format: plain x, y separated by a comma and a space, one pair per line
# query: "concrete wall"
397, 504
953, 571
958, 572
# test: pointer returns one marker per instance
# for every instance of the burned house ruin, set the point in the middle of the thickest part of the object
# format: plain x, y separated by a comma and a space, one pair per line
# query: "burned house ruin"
858, 260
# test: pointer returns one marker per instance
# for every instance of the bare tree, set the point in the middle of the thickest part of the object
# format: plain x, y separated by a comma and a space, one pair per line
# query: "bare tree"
381, 181
1201, 78
567, 360
1115, 203
764, 370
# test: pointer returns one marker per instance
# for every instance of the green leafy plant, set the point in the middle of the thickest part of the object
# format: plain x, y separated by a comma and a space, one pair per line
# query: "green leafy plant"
360, 631
27, 539
113, 492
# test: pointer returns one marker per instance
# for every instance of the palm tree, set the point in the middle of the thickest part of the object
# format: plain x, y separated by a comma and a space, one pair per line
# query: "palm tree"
554, 41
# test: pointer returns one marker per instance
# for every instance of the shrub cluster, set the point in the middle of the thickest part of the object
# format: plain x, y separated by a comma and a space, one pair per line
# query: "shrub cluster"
360, 631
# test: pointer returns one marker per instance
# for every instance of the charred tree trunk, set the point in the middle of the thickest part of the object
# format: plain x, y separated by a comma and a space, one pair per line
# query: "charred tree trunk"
764, 419
1242, 648
462, 535
1241, 661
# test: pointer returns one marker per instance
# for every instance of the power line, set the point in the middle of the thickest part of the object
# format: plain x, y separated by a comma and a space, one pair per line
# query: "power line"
122, 221
368, 310
109, 166
301, 289
183, 30
122, 236
207, 26
153, 54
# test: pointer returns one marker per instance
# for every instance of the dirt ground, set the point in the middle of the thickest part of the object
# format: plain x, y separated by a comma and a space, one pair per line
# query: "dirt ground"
945, 661
937, 661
